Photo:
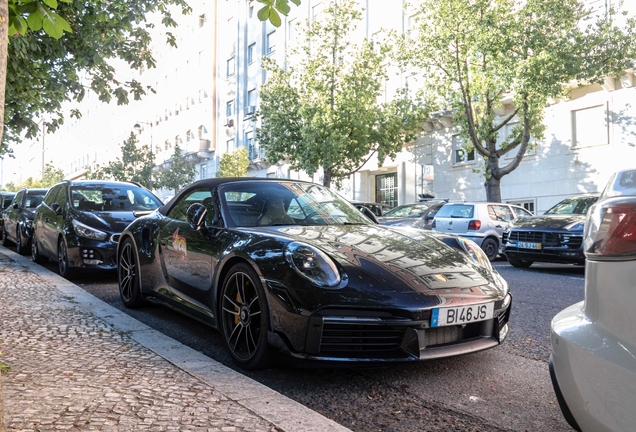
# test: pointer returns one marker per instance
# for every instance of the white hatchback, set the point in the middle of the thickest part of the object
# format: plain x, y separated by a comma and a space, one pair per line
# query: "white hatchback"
481, 222
593, 361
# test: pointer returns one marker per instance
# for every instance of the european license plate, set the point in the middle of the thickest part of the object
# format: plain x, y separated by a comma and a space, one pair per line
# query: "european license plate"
527, 245
462, 315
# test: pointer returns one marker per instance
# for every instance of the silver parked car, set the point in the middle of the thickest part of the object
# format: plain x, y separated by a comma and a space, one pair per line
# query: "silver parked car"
481, 222
593, 360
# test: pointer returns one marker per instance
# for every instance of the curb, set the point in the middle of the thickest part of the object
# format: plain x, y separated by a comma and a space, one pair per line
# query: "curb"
2, 429
283, 412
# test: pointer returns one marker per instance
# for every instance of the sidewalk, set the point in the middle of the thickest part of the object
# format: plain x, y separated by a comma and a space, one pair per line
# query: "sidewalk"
80, 364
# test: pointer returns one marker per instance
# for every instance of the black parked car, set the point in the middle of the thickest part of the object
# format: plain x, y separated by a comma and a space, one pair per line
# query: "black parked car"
5, 201
555, 237
17, 219
290, 264
78, 223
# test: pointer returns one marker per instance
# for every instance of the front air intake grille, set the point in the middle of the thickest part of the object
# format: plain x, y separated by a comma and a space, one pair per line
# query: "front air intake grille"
546, 239
343, 339
115, 238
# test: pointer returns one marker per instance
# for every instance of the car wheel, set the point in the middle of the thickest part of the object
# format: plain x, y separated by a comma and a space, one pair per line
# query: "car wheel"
35, 253
519, 263
491, 248
244, 317
128, 276
63, 264
19, 247
5, 240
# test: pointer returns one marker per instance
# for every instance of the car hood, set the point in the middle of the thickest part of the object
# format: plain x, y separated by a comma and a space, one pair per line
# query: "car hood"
111, 222
402, 260
548, 221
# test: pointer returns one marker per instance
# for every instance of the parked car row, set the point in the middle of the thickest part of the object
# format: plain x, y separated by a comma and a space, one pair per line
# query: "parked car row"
280, 263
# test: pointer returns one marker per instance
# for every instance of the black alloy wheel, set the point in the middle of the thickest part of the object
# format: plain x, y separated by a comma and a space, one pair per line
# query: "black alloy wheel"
36, 257
244, 317
63, 264
519, 263
128, 277
491, 248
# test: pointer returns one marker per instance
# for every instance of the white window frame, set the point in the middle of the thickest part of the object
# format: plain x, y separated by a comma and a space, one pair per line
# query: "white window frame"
594, 130
458, 148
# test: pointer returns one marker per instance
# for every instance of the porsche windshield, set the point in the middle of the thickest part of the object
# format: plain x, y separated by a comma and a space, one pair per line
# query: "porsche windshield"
269, 203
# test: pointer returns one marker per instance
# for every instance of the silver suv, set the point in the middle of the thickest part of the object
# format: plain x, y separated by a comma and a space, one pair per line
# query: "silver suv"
481, 222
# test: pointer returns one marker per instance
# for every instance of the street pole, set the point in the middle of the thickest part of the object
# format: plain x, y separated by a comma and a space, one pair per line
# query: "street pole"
138, 128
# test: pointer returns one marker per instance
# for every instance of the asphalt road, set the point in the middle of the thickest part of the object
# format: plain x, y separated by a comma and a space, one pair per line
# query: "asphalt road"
505, 388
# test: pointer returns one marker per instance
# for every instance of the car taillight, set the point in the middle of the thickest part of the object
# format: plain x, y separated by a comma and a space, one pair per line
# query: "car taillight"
474, 224
611, 229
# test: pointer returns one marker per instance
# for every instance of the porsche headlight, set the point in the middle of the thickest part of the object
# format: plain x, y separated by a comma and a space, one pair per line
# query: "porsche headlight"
88, 232
475, 252
312, 264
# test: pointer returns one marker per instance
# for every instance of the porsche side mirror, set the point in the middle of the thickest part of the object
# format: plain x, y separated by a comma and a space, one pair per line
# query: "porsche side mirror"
196, 216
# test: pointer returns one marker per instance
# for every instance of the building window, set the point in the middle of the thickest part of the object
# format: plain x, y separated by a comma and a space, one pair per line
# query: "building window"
270, 45
167, 145
291, 29
203, 172
231, 66
202, 20
251, 9
250, 53
590, 126
202, 132
461, 154
229, 108
317, 10
177, 140
189, 136
230, 145
386, 189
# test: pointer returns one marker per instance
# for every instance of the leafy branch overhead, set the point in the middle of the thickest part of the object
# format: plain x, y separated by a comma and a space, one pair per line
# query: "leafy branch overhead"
272, 10
45, 70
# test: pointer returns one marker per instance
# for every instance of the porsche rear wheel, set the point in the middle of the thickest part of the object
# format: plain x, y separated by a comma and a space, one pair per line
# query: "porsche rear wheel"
244, 317
128, 276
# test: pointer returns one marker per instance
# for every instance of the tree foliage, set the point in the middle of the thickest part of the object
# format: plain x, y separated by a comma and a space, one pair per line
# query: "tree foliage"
51, 176
134, 165
181, 172
324, 112
43, 72
475, 53
234, 164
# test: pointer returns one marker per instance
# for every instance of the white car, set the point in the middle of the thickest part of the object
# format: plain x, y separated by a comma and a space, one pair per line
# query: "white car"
593, 360
481, 222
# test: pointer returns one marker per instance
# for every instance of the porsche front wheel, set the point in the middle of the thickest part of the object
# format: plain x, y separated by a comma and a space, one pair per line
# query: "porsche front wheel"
244, 317
128, 276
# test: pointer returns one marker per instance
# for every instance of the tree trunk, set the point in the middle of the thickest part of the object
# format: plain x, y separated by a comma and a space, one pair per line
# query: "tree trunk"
493, 191
4, 41
326, 178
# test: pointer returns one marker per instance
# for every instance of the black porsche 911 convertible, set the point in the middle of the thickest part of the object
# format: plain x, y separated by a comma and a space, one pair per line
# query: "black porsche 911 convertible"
290, 266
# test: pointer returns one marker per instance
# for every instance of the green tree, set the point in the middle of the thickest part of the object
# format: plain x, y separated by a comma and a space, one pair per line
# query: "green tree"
181, 172
474, 53
43, 72
51, 176
234, 164
324, 113
135, 164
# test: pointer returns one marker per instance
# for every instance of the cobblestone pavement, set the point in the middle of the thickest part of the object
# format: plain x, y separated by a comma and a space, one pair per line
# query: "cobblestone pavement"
72, 368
